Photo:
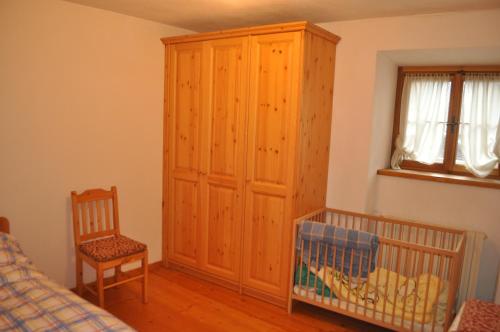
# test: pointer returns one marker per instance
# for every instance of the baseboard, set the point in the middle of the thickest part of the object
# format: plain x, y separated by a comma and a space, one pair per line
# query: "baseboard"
204, 276
155, 265
278, 301
232, 285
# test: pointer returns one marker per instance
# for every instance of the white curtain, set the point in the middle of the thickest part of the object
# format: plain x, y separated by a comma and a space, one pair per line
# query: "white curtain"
424, 112
480, 117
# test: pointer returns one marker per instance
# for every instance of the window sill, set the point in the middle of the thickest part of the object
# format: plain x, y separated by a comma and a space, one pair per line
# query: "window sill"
439, 177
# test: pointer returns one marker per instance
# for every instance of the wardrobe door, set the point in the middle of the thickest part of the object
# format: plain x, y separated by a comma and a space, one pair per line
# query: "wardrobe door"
184, 86
273, 104
222, 165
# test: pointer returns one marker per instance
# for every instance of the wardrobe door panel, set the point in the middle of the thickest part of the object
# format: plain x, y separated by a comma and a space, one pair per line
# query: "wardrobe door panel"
222, 156
185, 222
223, 230
184, 114
272, 120
268, 213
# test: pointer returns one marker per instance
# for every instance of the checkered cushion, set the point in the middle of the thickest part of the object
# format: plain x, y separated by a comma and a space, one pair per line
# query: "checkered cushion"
109, 248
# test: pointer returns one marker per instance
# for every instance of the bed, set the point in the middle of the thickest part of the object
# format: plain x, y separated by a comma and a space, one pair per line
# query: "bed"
30, 301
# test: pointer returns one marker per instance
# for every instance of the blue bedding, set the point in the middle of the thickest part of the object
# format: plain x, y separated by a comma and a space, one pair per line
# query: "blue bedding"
342, 247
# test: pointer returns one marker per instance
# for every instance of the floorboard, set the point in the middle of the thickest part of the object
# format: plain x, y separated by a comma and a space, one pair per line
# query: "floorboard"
179, 302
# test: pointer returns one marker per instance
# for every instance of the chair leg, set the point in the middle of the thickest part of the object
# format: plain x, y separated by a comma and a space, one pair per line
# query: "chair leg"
118, 271
79, 275
100, 286
145, 271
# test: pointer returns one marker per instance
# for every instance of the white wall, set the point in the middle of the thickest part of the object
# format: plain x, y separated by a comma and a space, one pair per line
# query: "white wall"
81, 99
367, 58
81, 106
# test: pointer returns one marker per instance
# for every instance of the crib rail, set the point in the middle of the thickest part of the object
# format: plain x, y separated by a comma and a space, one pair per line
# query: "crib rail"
389, 228
411, 281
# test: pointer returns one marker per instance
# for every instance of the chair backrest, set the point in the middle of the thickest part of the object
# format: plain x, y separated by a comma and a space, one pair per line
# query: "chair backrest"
4, 225
93, 216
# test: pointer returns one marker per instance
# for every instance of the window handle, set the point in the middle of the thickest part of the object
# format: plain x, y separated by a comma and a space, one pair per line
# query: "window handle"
451, 124
454, 123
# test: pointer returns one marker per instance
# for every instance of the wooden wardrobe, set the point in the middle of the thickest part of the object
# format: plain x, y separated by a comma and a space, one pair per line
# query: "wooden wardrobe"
246, 147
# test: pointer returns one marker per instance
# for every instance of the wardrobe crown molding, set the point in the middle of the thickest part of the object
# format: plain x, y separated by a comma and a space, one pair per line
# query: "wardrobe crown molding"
256, 30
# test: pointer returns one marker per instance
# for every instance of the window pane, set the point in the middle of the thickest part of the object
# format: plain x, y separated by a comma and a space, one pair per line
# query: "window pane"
425, 102
479, 119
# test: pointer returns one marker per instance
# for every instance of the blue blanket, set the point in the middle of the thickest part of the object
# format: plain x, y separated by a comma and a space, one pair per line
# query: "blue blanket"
338, 243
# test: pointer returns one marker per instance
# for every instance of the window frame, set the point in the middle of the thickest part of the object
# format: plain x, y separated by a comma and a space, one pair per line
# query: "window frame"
449, 165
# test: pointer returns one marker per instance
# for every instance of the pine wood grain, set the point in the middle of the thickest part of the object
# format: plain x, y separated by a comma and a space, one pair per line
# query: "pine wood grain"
184, 111
273, 106
90, 202
255, 30
315, 121
247, 134
222, 168
178, 302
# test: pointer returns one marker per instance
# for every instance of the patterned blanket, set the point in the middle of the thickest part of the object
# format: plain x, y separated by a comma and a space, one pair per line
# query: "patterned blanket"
29, 301
480, 316
348, 247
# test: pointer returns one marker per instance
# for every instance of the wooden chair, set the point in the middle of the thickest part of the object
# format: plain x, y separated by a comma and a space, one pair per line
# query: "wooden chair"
4, 225
99, 243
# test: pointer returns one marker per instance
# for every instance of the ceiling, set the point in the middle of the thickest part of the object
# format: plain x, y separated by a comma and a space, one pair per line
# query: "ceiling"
209, 15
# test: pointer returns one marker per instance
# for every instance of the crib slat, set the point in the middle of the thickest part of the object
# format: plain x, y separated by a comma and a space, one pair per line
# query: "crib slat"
308, 269
426, 297
368, 282
334, 264
381, 248
325, 258
398, 256
301, 265
450, 292
349, 287
407, 273
441, 276
341, 273
316, 274
419, 271
360, 269
389, 264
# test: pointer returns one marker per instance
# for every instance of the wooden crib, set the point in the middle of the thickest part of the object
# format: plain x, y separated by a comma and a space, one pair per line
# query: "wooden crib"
411, 287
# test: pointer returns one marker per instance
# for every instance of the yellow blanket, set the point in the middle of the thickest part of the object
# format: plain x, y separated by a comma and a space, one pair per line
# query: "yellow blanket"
392, 293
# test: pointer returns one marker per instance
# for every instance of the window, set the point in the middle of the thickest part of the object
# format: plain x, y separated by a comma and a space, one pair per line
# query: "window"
447, 120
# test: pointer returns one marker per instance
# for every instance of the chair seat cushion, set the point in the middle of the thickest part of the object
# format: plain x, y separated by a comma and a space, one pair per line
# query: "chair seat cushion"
109, 248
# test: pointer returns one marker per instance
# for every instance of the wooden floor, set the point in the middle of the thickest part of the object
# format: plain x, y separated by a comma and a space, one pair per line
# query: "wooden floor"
178, 302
